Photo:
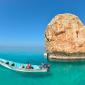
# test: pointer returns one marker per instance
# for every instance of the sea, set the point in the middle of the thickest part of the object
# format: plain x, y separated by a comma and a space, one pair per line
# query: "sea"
60, 73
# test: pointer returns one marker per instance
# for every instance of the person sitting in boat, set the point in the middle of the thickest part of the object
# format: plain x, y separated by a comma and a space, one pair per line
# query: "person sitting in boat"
43, 65
13, 64
29, 66
7, 63
22, 66
46, 65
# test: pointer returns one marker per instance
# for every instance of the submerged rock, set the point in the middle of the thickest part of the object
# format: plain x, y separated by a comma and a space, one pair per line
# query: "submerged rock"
65, 33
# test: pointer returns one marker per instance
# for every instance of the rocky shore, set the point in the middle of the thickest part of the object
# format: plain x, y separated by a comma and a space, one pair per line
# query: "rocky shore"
65, 38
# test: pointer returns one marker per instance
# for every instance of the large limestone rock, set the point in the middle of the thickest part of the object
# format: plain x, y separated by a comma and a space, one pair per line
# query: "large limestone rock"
65, 33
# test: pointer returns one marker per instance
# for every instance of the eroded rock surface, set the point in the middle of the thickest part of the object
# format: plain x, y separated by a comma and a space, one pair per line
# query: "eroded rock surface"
65, 33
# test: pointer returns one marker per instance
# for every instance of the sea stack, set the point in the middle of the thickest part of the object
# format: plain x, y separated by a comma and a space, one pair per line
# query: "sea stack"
65, 38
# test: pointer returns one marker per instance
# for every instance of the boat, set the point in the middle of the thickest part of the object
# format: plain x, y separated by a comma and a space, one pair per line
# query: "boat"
20, 67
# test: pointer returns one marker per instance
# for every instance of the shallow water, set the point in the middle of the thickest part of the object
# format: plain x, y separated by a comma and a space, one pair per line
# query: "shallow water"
61, 73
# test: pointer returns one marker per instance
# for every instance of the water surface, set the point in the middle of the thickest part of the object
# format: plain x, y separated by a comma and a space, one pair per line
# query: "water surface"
61, 73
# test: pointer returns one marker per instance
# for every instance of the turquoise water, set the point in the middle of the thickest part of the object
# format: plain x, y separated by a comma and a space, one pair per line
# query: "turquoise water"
61, 73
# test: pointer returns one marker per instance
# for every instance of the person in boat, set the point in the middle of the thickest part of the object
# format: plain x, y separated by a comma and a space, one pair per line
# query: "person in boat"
7, 63
43, 65
22, 66
29, 66
46, 65
13, 64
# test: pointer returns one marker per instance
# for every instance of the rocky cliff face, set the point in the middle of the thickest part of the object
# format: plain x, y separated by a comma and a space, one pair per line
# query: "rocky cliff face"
65, 33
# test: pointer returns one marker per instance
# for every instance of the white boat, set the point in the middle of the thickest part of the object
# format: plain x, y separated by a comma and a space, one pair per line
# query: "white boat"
18, 66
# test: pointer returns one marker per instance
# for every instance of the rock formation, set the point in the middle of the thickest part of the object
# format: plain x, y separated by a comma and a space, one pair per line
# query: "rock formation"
65, 33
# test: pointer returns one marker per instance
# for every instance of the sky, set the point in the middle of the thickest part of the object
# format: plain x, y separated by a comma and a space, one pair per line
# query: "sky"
23, 22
